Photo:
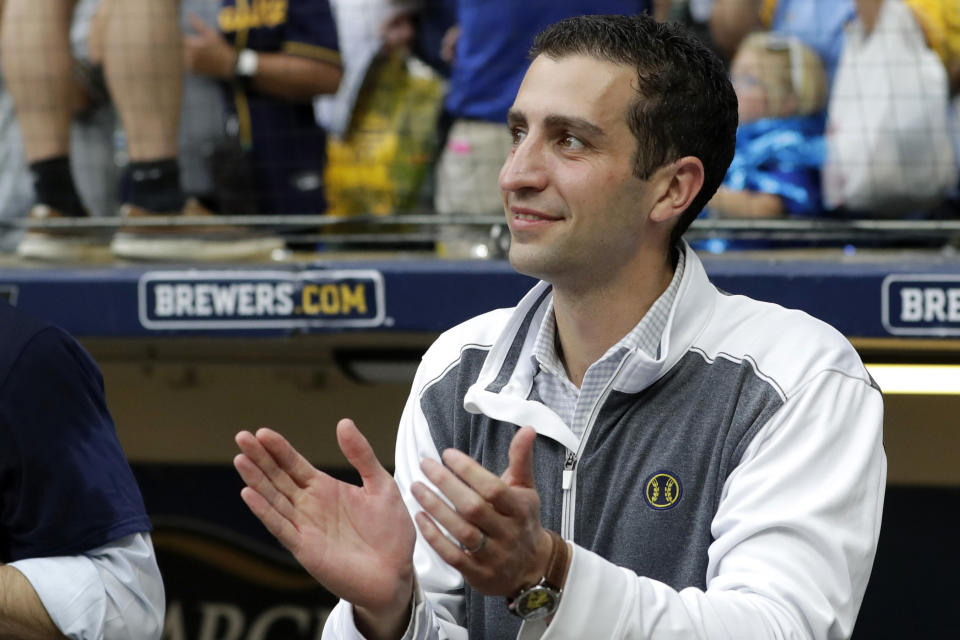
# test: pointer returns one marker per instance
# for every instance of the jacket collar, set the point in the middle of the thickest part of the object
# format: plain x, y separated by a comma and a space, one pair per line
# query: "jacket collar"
505, 381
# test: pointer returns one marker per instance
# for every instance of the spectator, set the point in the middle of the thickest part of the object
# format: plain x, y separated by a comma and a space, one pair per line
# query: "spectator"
75, 552
271, 59
781, 91
92, 126
138, 42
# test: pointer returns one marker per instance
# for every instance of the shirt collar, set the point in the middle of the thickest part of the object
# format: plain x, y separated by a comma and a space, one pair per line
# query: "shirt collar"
645, 335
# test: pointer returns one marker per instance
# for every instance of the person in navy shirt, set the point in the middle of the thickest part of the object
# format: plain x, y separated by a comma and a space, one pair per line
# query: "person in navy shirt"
273, 57
76, 556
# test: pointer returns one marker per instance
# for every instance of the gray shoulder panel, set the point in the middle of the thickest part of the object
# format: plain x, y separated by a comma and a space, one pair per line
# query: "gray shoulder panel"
513, 354
442, 400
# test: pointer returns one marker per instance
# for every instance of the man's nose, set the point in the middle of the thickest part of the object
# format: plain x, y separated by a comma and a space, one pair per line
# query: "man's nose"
524, 167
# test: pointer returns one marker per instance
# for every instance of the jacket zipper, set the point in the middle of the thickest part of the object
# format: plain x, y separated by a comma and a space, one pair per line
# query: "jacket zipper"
569, 477
568, 470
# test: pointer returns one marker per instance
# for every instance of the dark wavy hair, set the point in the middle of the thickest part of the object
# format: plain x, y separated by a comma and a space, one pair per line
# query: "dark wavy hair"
685, 104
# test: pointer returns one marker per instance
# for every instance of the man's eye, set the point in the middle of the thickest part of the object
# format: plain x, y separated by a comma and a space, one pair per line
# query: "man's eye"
518, 135
572, 142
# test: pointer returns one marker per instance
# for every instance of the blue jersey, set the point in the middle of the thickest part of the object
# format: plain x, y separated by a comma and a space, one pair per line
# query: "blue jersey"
495, 36
65, 485
288, 147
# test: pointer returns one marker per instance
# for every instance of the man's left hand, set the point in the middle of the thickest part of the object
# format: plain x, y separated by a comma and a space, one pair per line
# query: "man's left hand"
496, 520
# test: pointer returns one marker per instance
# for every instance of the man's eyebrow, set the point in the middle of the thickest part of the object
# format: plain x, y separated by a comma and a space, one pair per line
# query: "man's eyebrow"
554, 122
575, 125
515, 117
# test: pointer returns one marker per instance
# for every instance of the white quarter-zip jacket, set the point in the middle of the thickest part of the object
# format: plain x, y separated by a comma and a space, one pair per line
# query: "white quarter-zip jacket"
731, 487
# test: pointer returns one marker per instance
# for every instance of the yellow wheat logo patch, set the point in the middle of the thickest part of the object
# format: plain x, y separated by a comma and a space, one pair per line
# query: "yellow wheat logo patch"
663, 490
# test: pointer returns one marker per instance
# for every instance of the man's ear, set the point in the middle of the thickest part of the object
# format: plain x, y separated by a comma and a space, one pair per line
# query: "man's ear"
682, 181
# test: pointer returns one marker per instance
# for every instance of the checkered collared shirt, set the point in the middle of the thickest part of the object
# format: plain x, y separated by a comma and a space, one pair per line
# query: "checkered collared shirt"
554, 386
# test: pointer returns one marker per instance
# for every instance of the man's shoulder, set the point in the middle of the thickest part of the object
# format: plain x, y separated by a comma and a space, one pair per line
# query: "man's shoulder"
14, 321
478, 334
787, 345
19, 331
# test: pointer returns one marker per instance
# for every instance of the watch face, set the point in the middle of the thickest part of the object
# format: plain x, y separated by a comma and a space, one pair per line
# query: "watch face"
537, 602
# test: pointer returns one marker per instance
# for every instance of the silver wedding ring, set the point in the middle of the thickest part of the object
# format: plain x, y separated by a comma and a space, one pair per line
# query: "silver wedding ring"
479, 547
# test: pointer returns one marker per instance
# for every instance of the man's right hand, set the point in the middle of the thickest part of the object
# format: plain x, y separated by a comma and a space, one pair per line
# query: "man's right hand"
356, 541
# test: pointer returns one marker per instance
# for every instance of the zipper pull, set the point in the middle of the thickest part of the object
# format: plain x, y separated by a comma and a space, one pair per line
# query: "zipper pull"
568, 470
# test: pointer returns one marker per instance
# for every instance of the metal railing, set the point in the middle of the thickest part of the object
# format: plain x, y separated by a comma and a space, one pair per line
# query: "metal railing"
425, 227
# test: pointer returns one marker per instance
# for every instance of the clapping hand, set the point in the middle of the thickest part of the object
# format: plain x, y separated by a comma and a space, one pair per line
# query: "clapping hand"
356, 541
498, 545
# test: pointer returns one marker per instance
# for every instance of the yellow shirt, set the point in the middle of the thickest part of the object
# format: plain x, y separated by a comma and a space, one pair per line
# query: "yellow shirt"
940, 20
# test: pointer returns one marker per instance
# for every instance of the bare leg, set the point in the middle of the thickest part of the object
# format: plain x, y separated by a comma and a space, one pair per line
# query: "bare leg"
37, 67
144, 70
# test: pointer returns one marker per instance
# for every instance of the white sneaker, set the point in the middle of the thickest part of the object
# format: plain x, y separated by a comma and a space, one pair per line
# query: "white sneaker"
61, 244
185, 243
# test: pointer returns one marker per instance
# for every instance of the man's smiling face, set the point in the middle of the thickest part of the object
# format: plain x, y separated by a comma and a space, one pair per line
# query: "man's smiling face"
575, 209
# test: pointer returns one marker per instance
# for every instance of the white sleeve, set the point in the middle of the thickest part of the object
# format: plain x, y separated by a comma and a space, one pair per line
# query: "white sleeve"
112, 592
438, 597
422, 624
794, 535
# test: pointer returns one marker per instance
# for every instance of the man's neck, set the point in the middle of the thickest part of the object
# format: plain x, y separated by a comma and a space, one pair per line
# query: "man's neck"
590, 320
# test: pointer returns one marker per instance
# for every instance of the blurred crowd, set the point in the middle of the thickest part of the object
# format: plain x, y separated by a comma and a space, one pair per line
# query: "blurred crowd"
154, 110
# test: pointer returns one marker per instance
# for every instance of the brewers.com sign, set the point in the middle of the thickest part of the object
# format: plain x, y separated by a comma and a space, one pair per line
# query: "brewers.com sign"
260, 299
921, 305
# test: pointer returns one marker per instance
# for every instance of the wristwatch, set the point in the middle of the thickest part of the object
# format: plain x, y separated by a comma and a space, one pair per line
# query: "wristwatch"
543, 598
246, 66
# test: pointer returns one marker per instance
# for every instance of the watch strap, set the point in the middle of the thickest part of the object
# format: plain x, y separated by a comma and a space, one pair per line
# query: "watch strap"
556, 573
